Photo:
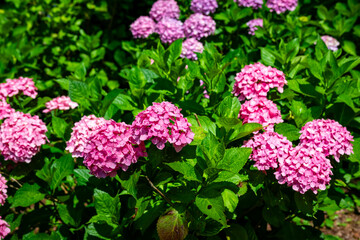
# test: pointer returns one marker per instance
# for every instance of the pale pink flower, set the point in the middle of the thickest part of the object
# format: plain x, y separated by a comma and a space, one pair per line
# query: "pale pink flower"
3, 190
5, 109
206, 94
204, 6
253, 24
142, 27
190, 47
330, 42
61, 103
250, 3
280, 6
198, 26
14, 86
4, 228
164, 8
169, 30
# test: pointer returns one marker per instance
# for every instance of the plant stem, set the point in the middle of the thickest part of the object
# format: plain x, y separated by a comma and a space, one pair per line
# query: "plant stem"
158, 191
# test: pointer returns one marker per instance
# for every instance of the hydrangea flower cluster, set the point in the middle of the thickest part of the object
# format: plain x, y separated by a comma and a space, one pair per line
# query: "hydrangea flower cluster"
110, 148
331, 43
268, 148
164, 8
199, 26
5, 109
304, 170
4, 228
328, 137
255, 80
169, 29
280, 6
82, 130
21, 136
253, 24
162, 122
260, 110
14, 86
143, 27
61, 103
189, 47
204, 6
3, 190
249, 3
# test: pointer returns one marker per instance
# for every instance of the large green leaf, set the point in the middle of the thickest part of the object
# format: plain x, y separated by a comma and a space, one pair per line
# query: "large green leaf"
172, 225
187, 168
61, 168
211, 150
289, 131
28, 194
234, 159
212, 206
107, 206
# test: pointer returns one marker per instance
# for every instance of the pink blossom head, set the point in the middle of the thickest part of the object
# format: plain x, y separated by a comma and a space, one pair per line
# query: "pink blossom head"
198, 26
267, 149
80, 134
304, 169
260, 110
162, 122
3, 190
110, 148
164, 8
21, 136
5, 109
250, 3
255, 80
280, 6
4, 228
330, 42
169, 30
204, 6
14, 86
253, 24
328, 137
142, 27
61, 103
190, 47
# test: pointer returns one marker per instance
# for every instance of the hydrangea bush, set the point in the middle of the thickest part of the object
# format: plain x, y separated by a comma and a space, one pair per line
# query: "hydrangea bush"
178, 119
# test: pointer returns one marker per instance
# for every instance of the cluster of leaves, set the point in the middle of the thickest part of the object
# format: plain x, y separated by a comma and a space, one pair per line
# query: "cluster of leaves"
209, 190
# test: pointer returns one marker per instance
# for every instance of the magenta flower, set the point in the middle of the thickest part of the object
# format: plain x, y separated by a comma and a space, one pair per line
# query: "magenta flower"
203, 6
4, 228
61, 103
250, 3
142, 27
260, 110
169, 30
206, 94
255, 80
110, 148
330, 42
164, 8
199, 26
3, 190
253, 24
162, 122
280, 6
328, 137
80, 134
5, 109
189, 47
267, 149
21, 136
14, 86
304, 169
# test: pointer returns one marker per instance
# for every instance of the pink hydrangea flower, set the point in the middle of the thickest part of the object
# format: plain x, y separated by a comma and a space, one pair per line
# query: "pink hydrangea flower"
21, 136
110, 148
4, 228
253, 24
331, 43
250, 3
169, 30
5, 109
206, 94
14, 86
80, 134
267, 149
61, 103
280, 6
328, 137
164, 8
3, 190
260, 110
304, 169
204, 6
189, 47
142, 27
199, 26
163, 122
255, 80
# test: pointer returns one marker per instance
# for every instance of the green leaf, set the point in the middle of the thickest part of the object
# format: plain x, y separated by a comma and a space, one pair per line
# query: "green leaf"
211, 150
349, 47
82, 176
304, 202
28, 194
61, 168
187, 168
244, 130
212, 206
78, 92
174, 51
80, 72
267, 57
124, 102
129, 182
234, 159
229, 107
107, 206
289, 131
172, 225
45, 172
69, 215
59, 126
230, 199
